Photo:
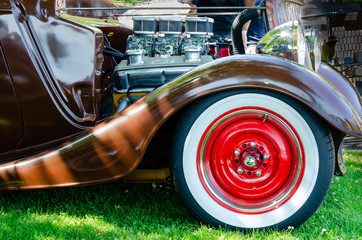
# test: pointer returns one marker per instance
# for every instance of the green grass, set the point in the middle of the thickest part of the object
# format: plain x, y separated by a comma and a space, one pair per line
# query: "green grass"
148, 211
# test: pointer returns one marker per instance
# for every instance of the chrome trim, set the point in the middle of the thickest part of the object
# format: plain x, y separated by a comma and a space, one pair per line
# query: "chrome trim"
123, 9
300, 2
157, 8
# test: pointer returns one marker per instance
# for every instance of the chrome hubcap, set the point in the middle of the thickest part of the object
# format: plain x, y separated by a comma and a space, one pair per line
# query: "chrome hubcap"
250, 161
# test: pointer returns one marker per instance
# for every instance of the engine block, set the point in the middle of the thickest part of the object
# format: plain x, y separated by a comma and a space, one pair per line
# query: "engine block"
170, 36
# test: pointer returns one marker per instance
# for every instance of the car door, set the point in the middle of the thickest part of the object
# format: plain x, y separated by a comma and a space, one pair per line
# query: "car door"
11, 122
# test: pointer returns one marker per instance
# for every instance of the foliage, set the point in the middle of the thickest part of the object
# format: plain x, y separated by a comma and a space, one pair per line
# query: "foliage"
153, 211
115, 3
354, 1
133, 2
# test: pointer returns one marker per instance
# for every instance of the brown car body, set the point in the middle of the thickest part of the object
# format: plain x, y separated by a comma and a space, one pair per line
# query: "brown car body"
51, 86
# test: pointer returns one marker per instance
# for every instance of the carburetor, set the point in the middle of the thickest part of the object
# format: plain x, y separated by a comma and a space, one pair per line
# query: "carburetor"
170, 36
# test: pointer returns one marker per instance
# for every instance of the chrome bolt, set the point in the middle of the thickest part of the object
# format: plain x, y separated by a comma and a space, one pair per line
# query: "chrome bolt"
250, 161
258, 173
252, 144
240, 170
266, 156
237, 152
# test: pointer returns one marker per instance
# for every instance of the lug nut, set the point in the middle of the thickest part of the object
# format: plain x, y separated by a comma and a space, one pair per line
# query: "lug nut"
236, 161
261, 148
258, 173
240, 170
249, 173
264, 165
266, 157
244, 145
252, 144
237, 152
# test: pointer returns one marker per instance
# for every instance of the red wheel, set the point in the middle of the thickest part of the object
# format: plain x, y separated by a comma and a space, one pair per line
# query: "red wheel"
252, 160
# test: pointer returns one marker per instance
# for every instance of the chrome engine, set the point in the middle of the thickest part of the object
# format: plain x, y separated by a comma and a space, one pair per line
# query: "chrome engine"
161, 49
170, 36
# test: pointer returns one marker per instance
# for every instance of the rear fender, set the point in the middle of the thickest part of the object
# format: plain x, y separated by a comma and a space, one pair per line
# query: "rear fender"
115, 147
339, 81
354, 98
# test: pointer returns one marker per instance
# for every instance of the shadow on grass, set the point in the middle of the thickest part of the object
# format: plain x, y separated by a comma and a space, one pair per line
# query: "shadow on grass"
109, 210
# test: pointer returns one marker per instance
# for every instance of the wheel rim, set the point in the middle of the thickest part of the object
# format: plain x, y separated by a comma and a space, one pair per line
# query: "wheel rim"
250, 160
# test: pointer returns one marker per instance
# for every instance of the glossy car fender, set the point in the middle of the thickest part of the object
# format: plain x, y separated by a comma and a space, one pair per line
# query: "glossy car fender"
340, 82
115, 147
354, 98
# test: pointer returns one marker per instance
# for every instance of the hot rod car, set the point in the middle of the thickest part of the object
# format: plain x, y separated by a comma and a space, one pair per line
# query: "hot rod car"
251, 141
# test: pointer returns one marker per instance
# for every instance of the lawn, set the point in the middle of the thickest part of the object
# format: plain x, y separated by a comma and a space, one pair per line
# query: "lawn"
153, 211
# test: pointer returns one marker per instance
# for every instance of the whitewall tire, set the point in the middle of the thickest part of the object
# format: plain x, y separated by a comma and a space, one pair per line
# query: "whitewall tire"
252, 160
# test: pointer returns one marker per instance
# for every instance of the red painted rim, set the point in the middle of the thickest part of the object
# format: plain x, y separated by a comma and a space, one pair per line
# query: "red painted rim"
250, 160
